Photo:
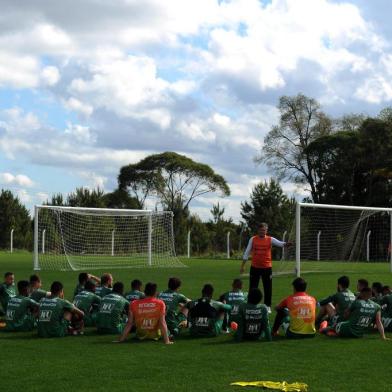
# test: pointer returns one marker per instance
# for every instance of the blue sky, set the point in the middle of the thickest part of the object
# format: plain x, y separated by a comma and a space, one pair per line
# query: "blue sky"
89, 86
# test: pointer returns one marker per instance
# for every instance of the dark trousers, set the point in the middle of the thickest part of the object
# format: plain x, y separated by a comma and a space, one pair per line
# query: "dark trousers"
266, 277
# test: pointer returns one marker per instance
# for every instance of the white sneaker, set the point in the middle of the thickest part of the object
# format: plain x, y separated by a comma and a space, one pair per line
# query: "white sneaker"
269, 309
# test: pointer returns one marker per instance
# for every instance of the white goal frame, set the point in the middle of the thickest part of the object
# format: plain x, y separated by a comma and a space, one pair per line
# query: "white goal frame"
330, 206
125, 212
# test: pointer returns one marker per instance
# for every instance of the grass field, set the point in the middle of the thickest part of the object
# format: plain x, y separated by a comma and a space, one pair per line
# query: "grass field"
93, 363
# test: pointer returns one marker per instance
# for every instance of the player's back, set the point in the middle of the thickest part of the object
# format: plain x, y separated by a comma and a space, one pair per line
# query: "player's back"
252, 320
202, 318
7, 291
172, 299
362, 315
302, 310
235, 299
134, 295
18, 315
101, 291
111, 311
343, 300
387, 306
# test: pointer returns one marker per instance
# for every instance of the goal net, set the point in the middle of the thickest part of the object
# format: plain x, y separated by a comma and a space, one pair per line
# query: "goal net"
71, 238
333, 233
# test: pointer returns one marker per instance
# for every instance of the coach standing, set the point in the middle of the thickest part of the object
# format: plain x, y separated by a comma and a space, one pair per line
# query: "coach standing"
260, 247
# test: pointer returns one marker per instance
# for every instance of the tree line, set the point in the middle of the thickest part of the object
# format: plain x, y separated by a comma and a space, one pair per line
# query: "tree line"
338, 161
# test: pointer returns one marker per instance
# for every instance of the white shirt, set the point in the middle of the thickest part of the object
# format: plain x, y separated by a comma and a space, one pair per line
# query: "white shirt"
248, 249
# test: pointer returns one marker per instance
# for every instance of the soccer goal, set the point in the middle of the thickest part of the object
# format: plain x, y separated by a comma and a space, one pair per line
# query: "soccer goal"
334, 233
73, 238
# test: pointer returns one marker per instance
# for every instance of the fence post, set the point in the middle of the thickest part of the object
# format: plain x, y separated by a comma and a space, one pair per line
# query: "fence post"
283, 249
12, 240
189, 244
318, 245
43, 240
228, 244
368, 245
113, 242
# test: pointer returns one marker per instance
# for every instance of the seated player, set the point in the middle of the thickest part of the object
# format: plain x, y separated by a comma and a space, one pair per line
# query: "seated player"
112, 313
36, 292
57, 314
206, 315
386, 308
360, 316
235, 298
377, 292
89, 303
83, 278
7, 290
361, 284
105, 286
22, 311
148, 315
334, 306
176, 311
299, 311
136, 291
252, 318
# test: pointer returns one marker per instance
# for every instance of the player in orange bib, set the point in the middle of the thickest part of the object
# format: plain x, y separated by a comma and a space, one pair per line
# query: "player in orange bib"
259, 247
298, 311
148, 315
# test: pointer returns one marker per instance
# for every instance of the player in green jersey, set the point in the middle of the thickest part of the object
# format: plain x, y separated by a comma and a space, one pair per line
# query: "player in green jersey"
235, 298
136, 291
252, 318
105, 286
176, 311
333, 307
89, 303
7, 290
360, 316
22, 311
56, 313
36, 292
206, 315
386, 308
377, 292
111, 318
82, 279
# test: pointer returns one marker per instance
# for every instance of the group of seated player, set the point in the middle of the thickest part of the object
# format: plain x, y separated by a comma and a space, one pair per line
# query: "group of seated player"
101, 304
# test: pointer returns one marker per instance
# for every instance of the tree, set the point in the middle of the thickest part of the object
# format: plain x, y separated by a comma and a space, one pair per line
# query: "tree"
14, 215
200, 236
269, 204
121, 199
84, 197
284, 151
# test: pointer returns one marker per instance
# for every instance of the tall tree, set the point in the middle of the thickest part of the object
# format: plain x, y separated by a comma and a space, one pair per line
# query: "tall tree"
268, 203
84, 197
14, 215
284, 151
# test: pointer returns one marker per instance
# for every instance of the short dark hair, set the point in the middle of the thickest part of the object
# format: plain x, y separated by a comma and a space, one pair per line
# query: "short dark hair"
208, 290
7, 274
56, 287
83, 276
377, 287
174, 283
150, 289
363, 282
366, 293
105, 278
344, 281
90, 285
386, 290
299, 284
262, 224
255, 296
23, 286
237, 284
34, 279
118, 288
136, 284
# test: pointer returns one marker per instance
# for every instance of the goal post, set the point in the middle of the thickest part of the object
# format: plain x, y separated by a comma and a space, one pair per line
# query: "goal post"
75, 238
325, 232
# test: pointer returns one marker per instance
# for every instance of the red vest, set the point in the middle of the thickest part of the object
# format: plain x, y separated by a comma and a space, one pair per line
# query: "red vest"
261, 252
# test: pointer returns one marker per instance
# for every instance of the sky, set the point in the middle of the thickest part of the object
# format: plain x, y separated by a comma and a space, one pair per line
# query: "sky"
88, 86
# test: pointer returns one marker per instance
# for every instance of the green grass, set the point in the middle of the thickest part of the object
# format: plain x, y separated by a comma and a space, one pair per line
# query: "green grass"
94, 363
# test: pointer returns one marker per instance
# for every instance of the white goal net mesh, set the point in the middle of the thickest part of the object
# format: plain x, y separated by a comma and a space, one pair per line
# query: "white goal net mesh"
76, 239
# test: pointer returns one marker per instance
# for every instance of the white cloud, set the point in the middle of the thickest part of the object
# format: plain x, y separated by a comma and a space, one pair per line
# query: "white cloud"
50, 75
18, 179
78, 106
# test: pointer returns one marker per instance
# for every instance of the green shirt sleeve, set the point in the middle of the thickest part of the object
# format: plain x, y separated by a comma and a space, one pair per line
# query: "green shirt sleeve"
327, 300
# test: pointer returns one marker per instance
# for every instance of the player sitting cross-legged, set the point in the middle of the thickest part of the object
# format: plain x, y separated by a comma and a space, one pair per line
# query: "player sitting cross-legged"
136, 291
235, 298
252, 318
176, 311
298, 311
111, 316
7, 290
206, 315
148, 314
333, 307
360, 316
56, 314
106, 285
89, 303
22, 311
386, 308
36, 292
82, 279
377, 292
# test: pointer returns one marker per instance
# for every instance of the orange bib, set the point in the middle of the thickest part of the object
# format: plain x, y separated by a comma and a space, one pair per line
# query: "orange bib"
261, 252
